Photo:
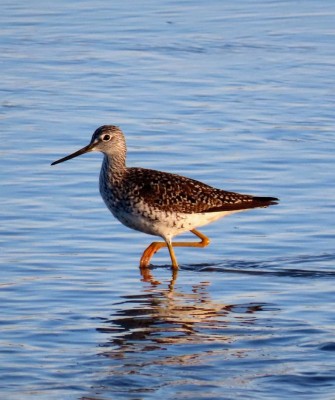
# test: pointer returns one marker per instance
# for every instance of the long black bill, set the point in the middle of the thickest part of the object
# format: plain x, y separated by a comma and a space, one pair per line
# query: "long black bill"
84, 150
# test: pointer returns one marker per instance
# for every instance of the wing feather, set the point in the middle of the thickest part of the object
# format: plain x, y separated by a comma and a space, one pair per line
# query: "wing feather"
168, 192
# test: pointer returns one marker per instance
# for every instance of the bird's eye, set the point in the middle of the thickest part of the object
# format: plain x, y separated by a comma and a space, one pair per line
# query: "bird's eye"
106, 138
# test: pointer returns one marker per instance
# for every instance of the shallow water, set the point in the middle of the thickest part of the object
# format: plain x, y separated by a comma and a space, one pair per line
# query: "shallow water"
238, 95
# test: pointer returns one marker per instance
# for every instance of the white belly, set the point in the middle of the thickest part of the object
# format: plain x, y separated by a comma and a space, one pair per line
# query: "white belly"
165, 224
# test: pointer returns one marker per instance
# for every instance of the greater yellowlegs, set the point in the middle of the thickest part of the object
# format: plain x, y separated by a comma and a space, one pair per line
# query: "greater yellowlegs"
159, 203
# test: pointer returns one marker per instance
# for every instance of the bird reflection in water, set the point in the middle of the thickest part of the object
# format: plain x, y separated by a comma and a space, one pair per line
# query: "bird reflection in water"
157, 318
173, 338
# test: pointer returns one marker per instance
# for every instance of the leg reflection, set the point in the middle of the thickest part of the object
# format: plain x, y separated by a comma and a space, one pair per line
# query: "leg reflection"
147, 276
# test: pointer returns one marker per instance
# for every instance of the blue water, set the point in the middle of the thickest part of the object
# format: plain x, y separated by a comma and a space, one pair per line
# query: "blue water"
239, 95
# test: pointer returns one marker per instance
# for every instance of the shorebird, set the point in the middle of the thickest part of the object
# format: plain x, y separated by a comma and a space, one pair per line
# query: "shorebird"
159, 203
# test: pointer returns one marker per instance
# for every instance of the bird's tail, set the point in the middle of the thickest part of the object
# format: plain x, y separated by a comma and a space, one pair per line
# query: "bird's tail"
265, 201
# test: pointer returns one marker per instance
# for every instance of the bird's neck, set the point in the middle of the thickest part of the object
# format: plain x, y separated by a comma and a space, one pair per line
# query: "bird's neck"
114, 166
115, 158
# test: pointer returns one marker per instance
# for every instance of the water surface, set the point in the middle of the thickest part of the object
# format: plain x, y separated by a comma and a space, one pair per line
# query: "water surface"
238, 95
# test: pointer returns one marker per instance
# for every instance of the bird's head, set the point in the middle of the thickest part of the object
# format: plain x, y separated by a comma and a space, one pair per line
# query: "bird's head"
107, 139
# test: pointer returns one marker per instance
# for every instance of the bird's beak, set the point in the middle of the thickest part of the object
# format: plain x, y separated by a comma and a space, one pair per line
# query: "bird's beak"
84, 150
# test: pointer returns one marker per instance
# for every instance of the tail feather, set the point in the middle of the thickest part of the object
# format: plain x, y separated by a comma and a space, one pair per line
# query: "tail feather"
265, 201
248, 203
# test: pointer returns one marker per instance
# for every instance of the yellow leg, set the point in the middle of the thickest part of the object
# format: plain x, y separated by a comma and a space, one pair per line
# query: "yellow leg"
155, 246
172, 255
